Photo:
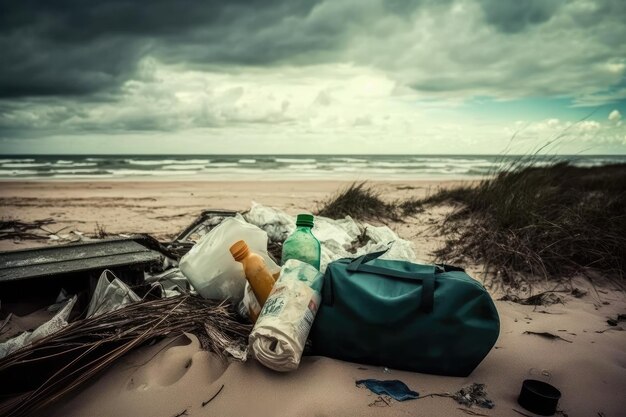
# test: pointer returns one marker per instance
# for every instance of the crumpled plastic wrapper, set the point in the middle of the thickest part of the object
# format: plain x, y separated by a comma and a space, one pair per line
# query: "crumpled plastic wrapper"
343, 238
53, 325
110, 294
475, 394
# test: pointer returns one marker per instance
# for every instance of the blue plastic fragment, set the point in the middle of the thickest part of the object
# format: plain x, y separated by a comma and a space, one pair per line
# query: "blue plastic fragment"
394, 388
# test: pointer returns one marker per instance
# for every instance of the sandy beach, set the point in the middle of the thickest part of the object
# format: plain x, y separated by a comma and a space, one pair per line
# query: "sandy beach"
175, 377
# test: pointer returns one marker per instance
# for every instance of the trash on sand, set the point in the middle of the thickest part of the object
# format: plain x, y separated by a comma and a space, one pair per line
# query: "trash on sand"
280, 333
210, 267
474, 394
278, 224
90, 346
75, 267
53, 325
173, 282
539, 397
249, 306
342, 238
302, 244
204, 224
255, 270
394, 388
110, 294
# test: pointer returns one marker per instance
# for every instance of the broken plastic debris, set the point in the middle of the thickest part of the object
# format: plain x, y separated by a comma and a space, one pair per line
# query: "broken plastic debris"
343, 238
53, 325
394, 388
110, 294
475, 394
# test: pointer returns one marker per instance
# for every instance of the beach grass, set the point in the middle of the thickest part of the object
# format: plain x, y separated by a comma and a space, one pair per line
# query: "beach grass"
360, 201
551, 221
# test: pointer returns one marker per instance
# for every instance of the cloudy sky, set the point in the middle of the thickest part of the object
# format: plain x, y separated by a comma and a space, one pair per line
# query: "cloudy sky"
312, 76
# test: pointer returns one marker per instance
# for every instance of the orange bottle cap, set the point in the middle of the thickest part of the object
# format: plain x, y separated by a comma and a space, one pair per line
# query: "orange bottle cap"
239, 250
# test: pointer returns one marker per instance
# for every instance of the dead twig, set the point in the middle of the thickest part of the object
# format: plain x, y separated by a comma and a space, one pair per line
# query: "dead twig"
215, 395
548, 336
17, 229
381, 402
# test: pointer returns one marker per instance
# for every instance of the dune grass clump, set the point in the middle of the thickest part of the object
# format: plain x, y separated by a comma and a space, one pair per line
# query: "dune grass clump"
549, 221
360, 201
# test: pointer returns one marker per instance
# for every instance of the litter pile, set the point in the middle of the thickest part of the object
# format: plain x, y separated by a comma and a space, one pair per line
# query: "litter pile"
129, 291
260, 284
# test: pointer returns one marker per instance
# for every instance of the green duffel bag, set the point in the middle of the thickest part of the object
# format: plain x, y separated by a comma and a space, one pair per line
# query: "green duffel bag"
433, 319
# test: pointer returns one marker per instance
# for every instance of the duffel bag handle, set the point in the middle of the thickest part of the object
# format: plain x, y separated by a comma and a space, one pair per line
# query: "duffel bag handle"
427, 279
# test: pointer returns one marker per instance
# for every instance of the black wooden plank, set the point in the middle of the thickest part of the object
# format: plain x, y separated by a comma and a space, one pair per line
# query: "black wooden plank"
31, 263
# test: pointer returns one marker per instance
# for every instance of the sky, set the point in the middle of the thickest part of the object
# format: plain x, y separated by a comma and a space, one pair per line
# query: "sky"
312, 76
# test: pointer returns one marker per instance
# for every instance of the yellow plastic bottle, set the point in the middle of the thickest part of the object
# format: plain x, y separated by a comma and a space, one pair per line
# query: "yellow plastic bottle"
257, 274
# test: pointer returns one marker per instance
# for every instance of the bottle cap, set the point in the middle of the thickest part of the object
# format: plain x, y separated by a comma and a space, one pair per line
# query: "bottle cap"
539, 397
304, 220
239, 250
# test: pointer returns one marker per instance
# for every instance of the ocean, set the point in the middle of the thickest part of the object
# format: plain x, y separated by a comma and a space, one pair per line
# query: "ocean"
268, 167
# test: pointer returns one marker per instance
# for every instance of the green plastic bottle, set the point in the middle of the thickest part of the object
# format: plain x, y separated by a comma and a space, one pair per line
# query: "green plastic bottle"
302, 245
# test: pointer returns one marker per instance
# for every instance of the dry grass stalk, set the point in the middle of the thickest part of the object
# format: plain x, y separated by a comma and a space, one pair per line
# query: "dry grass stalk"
52, 367
547, 222
16, 229
359, 201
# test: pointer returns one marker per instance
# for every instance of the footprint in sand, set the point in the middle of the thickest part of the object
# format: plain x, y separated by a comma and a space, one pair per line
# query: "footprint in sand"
175, 360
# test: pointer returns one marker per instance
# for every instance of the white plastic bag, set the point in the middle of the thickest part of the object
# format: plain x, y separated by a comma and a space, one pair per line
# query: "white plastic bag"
279, 335
250, 306
53, 325
110, 294
278, 224
210, 267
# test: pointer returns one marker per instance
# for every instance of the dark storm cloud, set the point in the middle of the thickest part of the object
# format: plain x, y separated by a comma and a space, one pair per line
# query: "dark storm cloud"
90, 48
81, 47
513, 16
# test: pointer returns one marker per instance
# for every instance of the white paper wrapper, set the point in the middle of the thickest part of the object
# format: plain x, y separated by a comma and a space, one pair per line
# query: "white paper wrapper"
280, 333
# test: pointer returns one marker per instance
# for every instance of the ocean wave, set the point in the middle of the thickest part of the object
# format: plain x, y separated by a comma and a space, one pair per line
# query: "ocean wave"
384, 164
247, 161
3, 161
78, 171
80, 176
302, 166
166, 161
75, 164
132, 172
27, 165
176, 172
295, 160
14, 172
347, 169
349, 160
194, 167
222, 164
341, 164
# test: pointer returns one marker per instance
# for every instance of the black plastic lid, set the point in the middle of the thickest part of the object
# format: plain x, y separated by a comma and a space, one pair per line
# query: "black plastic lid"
539, 397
